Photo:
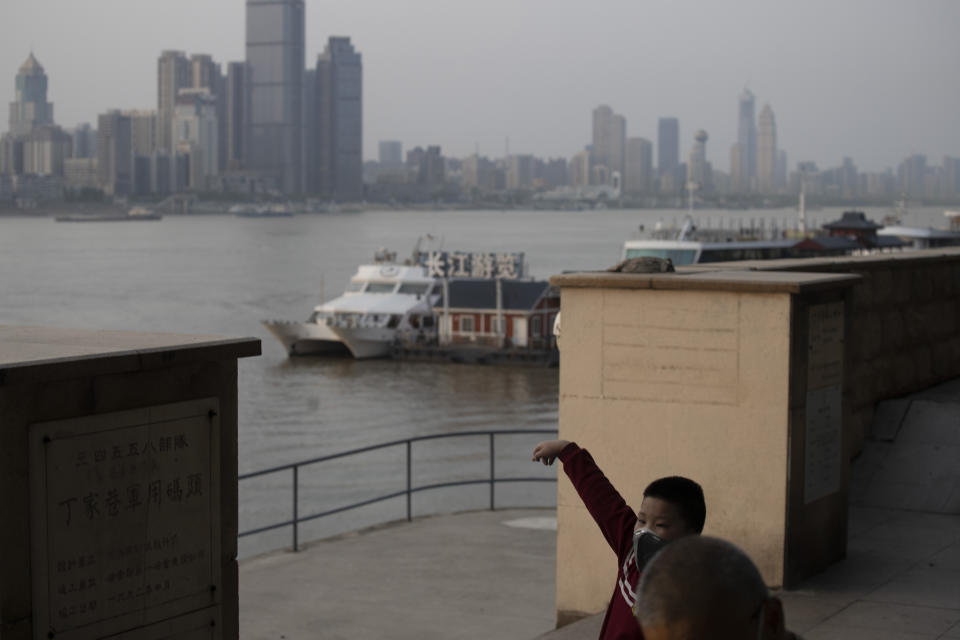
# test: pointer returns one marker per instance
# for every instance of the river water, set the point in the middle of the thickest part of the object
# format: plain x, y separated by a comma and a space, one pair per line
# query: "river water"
223, 274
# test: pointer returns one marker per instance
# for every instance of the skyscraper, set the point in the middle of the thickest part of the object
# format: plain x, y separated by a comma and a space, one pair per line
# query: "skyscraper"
638, 179
766, 151
173, 74
698, 169
114, 153
206, 74
236, 108
195, 133
276, 57
391, 153
668, 154
30, 109
747, 139
338, 117
609, 142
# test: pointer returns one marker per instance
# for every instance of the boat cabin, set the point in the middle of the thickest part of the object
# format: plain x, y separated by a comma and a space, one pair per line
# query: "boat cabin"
498, 313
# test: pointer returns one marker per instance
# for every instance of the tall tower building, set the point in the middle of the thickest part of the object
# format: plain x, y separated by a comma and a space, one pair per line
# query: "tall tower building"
767, 151
195, 132
668, 154
30, 109
638, 179
698, 169
276, 61
236, 110
173, 74
391, 153
338, 118
207, 74
609, 142
114, 153
84, 141
747, 139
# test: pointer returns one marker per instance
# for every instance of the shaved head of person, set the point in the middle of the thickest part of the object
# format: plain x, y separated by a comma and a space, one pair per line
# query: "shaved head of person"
700, 587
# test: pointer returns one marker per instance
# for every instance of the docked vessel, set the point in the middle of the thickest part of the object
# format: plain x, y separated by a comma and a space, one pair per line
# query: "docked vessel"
262, 211
690, 245
135, 214
382, 301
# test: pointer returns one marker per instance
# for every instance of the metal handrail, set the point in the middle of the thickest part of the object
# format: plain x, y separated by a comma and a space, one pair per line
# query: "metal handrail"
294, 467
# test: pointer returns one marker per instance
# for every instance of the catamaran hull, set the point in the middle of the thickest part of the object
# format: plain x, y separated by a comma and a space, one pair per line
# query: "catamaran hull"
307, 339
366, 343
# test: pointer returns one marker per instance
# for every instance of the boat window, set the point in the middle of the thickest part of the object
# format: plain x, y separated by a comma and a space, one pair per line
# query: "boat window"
394, 321
381, 287
427, 322
354, 286
414, 288
677, 256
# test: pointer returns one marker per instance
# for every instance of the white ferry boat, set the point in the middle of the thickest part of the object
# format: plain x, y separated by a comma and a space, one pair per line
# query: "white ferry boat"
382, 301
690, 245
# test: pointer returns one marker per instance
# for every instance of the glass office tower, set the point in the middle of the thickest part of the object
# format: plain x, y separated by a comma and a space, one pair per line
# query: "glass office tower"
275, 62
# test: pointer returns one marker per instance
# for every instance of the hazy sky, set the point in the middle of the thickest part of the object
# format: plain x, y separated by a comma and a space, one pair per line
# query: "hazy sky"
873, 79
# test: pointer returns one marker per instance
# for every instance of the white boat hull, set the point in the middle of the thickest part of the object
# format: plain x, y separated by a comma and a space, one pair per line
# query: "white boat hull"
306, 338
366, 342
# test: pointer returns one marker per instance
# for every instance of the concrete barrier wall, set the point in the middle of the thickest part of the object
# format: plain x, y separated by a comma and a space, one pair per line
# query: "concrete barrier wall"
717, 376
905, 324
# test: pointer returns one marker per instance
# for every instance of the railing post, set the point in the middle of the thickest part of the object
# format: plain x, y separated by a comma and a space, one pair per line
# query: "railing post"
409, 480
492, 476
296, 516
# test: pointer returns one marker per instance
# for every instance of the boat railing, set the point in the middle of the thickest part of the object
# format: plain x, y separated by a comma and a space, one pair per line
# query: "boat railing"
297, 517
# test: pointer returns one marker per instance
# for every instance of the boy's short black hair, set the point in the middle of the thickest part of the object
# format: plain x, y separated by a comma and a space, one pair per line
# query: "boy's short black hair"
686, 494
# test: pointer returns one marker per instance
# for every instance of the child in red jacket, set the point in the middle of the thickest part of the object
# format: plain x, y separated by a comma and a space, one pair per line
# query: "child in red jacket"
672, 507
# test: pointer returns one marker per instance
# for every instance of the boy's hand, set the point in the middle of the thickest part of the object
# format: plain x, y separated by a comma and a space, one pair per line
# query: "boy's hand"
548, 450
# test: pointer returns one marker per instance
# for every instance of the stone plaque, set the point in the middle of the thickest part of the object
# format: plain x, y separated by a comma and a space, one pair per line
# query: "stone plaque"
823, 444
126, 522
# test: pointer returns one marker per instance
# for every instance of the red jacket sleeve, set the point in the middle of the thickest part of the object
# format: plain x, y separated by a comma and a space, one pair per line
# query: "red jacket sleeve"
609, 510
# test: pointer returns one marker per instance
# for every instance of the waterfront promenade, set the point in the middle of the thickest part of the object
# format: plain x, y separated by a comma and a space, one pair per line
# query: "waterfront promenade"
492, 574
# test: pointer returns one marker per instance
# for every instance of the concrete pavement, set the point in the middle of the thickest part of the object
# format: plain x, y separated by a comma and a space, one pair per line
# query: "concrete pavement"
492, 574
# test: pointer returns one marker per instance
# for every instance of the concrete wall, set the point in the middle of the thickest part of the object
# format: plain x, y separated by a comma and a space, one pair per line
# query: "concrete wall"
905, 321
702, 375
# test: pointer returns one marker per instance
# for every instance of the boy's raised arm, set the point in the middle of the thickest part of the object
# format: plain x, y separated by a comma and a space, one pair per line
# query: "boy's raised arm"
608, 509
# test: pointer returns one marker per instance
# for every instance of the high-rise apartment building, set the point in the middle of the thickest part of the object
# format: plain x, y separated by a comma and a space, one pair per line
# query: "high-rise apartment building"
84, 141
276, 61
747, 139
698, 169
338, 118
609, 144
668, 145
143, 132
236, 110
579, 169
520, 171
638, 178
767, 151
114, 153
390, 153
44, 150
195, 134
30, 109
173, 74
668, 155
207, 74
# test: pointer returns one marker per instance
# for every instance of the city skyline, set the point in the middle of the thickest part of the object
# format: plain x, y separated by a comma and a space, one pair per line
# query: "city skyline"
838, 87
